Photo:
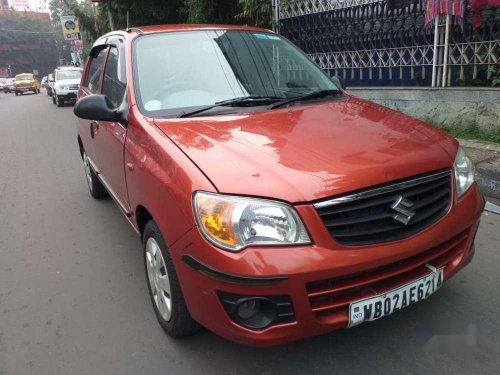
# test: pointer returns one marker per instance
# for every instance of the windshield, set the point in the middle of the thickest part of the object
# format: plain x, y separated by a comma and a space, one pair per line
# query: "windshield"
69, 74
178, 71
24, 77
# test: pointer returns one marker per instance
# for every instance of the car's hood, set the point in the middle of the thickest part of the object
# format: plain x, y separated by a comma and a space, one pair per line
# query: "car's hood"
310, 152
75, 81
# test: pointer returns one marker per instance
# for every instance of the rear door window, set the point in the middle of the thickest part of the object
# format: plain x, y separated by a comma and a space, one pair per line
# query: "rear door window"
113, 86
93, 79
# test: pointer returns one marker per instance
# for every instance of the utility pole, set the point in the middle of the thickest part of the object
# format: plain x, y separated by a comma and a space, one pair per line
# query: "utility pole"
110, 15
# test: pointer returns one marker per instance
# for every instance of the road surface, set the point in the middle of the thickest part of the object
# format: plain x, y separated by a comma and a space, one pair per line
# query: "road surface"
73, 297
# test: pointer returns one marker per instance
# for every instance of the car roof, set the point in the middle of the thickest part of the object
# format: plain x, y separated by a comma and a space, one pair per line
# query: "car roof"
180, 27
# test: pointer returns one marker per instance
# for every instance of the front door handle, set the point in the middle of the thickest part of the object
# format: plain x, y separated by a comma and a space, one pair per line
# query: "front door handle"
94, 127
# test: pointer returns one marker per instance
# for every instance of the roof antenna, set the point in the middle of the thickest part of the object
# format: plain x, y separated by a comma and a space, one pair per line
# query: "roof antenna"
128, 27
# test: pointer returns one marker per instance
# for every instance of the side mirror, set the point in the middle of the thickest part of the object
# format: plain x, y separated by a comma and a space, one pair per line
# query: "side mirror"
51, 80
339, 82
99, 108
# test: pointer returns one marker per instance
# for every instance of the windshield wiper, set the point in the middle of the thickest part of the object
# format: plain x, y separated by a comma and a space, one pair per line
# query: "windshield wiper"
311, 95
235, 102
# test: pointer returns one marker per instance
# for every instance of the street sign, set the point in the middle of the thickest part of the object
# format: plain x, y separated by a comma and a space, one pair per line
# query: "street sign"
70, 28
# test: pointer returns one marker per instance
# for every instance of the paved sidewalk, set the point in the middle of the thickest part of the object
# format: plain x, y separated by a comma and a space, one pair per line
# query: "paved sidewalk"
486, 158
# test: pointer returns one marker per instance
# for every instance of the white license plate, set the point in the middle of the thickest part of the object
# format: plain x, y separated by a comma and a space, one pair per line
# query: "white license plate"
374, 308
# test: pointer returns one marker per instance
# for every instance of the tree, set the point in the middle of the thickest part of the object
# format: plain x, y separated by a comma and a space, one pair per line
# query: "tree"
27, 42
145, 12
97, 20
214, 11
257, 13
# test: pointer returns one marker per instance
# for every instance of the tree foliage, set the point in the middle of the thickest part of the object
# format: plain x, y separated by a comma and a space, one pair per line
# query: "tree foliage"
95, 20
26, 43
215, 11
256, 12
18, 29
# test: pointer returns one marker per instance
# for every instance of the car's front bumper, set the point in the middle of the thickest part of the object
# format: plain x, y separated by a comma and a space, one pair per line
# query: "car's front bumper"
25, 88
311, 271
67, 95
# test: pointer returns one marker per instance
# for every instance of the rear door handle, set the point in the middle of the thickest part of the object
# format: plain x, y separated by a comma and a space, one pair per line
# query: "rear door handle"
94, 124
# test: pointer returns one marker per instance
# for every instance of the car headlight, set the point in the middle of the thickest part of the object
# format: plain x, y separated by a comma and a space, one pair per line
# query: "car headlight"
234, 223
464, 172
65, 87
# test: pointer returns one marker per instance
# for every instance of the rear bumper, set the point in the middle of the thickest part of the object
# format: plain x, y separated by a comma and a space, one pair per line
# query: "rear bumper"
311, 276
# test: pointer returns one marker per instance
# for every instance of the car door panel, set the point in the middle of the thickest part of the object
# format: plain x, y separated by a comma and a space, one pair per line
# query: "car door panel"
109, 137
91, 84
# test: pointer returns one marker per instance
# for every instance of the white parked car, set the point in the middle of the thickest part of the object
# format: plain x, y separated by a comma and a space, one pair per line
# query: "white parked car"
50, 84
66, 84
8, 85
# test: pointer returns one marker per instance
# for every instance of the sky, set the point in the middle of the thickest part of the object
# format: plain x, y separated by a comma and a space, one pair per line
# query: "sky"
33, 5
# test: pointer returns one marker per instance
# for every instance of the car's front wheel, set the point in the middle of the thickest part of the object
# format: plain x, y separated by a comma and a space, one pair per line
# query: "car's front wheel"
163, 285
59, 101
96, 188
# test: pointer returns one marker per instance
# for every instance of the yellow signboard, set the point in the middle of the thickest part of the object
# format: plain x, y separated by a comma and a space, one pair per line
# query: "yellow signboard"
70, 28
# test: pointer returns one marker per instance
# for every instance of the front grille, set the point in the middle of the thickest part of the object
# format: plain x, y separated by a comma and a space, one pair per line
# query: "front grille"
74, 87
330, 299
368, 216
24, 86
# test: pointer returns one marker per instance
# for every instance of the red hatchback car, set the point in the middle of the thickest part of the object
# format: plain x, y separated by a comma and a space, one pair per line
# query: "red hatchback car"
272, 204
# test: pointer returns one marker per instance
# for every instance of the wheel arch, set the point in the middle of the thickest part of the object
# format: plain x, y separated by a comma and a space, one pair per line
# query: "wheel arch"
142, 217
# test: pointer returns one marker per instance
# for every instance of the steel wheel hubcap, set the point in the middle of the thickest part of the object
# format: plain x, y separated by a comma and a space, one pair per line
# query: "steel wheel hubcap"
88, 173
158, 279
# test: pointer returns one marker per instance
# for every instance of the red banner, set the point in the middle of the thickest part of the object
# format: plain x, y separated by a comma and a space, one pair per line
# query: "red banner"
477, 5
452, 7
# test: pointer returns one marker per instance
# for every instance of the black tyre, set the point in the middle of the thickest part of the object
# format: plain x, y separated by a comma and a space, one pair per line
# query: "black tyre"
17, 93
96, 188
59, 101
163, 285
53, 99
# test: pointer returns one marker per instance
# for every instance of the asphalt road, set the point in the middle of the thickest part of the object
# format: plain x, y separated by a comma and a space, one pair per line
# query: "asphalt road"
73, 297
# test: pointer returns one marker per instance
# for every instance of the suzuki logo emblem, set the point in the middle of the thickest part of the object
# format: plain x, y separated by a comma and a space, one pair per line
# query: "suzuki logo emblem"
403, 208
